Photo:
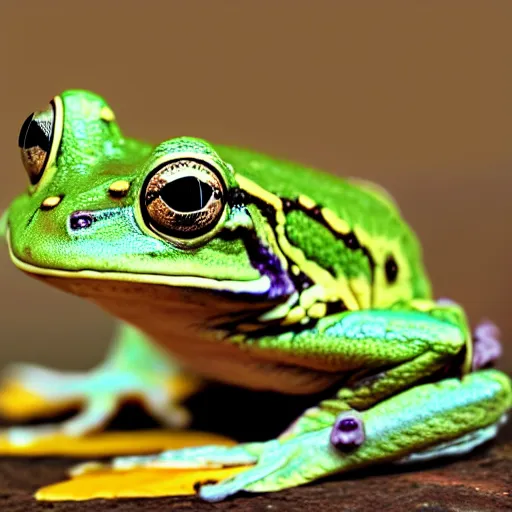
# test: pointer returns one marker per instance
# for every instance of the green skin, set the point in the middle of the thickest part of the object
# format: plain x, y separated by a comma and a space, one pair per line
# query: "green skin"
367, 312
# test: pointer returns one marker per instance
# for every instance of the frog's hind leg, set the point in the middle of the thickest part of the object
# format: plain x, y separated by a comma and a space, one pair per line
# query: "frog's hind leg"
427, 420
456, 447
134, 370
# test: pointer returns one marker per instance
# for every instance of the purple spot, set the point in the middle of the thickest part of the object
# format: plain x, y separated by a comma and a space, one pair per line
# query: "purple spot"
486, 344
80, 220
268, 264
348, 431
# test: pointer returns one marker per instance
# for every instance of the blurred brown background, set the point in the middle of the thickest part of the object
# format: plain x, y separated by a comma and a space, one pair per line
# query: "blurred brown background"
416, 96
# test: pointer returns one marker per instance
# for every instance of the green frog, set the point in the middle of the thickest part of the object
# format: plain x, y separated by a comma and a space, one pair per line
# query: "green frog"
226, 264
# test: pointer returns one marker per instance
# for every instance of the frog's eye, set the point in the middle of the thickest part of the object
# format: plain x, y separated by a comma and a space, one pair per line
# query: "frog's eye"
183, 199
36, 140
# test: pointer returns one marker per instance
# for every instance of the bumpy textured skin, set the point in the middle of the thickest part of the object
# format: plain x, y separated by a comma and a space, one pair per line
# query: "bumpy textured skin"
306, 280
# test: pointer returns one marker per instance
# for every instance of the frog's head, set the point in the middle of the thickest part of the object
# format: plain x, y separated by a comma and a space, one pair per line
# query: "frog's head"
103, 207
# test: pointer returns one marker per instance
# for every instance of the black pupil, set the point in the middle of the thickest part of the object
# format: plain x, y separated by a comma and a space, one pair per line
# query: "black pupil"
187, 194
391, 269
35, 133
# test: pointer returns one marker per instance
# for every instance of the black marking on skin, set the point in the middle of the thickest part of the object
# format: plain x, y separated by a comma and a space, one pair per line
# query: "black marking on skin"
238, 198
302, 281
391, 268
229, 322
350, 240
273, 327
277, 329
315, 212
287, 204
32, 217
335, 307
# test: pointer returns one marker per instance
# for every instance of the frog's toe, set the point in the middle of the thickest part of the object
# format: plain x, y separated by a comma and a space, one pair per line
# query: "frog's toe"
29, 392
93, 416
202, 457
160, 407
280, 466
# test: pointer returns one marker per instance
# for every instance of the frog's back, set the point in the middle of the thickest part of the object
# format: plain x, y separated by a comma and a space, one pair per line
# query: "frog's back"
351, 227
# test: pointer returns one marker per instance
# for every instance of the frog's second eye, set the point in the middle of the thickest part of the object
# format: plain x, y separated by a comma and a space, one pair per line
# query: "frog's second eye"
183, 199
36, 140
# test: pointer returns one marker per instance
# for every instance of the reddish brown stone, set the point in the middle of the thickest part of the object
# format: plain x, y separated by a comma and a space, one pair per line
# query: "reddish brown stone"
481, 482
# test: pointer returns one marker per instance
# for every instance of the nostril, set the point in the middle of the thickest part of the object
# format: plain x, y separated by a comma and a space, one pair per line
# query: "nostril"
80, 220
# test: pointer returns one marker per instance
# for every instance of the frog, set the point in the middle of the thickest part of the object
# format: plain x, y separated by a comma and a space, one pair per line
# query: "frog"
226, 264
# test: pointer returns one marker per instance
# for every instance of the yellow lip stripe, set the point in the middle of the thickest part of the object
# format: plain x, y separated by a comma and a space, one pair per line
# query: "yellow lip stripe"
258, 286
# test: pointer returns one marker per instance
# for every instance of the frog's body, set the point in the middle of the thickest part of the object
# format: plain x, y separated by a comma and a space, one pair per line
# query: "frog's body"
253, 271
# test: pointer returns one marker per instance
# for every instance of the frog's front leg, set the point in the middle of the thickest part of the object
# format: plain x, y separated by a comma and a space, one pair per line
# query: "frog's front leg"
383, 418
133, 370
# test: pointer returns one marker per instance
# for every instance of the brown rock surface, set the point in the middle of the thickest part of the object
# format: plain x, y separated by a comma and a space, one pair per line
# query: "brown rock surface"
480, 482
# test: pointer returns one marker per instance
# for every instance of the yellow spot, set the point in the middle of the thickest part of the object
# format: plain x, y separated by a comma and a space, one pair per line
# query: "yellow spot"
294, 316
318, 310
106, 114
259, 192
337, 224
119, 188
279, 311
295, 270
307, 202
311, 295
51, 202
136, 483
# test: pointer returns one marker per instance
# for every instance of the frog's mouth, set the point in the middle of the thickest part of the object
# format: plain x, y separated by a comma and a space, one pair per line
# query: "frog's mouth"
273, 282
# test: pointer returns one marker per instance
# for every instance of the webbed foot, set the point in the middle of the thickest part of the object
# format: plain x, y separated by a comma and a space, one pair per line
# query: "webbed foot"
29, 392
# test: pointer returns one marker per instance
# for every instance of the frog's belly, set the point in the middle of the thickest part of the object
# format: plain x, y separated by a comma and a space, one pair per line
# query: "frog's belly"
227, 363
174, 318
